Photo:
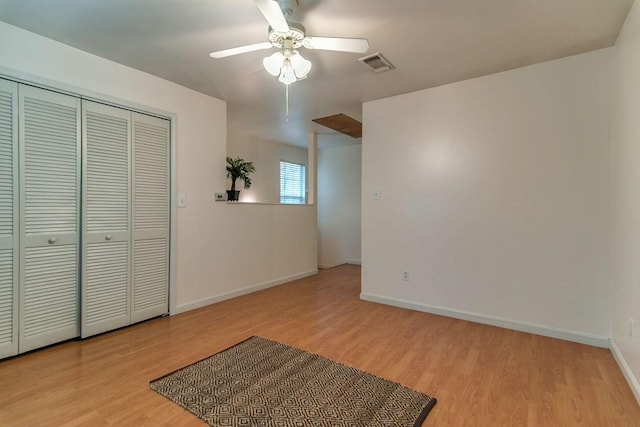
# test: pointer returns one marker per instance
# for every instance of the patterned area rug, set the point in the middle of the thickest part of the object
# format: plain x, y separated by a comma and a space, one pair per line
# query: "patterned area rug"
260, 382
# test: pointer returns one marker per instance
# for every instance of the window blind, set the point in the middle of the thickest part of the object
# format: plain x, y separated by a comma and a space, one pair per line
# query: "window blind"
292, 183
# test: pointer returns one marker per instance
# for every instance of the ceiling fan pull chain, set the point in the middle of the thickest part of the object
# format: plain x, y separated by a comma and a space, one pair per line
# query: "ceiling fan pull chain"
286, 101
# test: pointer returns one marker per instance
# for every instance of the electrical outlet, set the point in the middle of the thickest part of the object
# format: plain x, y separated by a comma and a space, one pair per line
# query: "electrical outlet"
405, 275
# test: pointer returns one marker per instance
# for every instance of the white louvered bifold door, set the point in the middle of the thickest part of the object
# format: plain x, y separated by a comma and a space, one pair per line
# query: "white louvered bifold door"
106, 218
150, 291
8, 218
49, 135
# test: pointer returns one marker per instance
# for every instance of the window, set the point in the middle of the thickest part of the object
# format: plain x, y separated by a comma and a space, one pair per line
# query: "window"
293, 186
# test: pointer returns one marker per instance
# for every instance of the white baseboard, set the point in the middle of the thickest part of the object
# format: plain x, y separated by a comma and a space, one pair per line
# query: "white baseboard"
327, 266
232, 294
516, 325
626, 371
348, 261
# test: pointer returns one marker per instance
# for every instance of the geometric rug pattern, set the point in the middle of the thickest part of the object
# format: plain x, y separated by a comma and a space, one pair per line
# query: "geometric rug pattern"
260, 382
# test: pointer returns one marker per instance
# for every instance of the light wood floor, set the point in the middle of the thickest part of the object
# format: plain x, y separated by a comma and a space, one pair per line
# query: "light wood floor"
481, 375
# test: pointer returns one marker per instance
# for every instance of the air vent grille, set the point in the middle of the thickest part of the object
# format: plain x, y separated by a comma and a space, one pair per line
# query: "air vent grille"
377, 63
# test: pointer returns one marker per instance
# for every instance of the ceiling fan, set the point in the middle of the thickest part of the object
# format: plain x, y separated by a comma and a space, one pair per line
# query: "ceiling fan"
287, 64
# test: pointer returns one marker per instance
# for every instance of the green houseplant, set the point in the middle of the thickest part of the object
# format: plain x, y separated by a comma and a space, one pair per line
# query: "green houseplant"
238, 169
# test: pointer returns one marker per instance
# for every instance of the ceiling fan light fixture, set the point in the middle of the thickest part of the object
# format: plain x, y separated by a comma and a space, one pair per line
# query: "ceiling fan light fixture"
288, 74
300, 65
289, 66
274, 63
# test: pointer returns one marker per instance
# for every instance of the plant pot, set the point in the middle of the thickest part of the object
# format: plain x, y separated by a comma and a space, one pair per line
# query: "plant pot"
233, 196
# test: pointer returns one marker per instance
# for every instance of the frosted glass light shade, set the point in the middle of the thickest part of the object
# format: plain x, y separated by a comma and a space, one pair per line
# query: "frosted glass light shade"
274, 63
300, 65
289, 67
288, 74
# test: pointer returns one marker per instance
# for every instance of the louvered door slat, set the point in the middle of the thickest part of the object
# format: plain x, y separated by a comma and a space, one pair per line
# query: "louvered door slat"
51, 171
151, 267
151, 217
50, 300
151, 174
8, 219
49, 179
107, 171
7, 324
7, 158
106, 230
107, 282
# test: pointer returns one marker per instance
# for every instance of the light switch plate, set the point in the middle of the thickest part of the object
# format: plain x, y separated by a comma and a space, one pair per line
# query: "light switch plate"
220, 197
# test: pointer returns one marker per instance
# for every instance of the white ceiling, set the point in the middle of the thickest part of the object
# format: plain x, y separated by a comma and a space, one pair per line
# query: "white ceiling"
431, 43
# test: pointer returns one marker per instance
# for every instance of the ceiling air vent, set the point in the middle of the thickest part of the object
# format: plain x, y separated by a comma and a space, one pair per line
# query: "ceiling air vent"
377, 63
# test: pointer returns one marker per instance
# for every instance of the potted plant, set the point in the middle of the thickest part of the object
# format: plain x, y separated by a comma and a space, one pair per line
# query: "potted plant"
238, 169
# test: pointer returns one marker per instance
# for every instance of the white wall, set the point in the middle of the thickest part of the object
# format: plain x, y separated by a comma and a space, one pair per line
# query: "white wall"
625, 192
222, 249
339, 196
266, 156
494, 196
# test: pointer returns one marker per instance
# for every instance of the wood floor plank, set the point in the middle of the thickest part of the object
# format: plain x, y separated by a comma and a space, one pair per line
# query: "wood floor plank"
481, 375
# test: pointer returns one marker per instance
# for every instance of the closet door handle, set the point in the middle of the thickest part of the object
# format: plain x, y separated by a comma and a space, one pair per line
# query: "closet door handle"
108, 237
52, 240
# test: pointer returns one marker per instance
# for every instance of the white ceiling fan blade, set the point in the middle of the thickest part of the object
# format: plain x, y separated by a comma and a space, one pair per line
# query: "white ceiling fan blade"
273, 14
241, 49
336, 43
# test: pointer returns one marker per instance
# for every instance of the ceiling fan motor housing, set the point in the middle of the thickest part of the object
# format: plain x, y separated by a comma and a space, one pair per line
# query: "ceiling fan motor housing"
295, 34
288, 6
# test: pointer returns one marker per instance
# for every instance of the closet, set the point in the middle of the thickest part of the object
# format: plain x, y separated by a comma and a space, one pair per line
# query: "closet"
84, 217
